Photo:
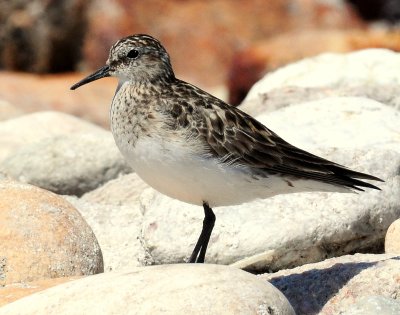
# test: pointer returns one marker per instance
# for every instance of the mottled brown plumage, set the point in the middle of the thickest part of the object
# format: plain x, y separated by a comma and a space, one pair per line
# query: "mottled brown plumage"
194, 147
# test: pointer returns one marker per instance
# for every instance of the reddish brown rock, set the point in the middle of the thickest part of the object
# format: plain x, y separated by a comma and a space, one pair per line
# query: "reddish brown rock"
32, 93
43, 236
249, 65
202, 36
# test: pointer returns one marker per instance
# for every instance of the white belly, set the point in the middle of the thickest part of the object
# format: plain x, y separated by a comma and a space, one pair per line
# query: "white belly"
175, 170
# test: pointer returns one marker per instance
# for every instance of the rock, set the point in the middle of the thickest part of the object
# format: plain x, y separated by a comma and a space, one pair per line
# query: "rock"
341, 122
386, 94
371, 305
392, 240
361, 68
69, 164
113, 212
339, 284
170, 289
118, 231
43, 236
283, 231
51, 92
22, 131
15, 291
41, 36
124, 190
269, 54
8, 111
203, 54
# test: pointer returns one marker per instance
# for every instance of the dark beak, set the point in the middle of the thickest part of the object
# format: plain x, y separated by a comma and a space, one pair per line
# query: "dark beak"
101, 73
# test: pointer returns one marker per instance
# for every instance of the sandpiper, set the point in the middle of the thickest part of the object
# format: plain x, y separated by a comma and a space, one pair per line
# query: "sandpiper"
194, 147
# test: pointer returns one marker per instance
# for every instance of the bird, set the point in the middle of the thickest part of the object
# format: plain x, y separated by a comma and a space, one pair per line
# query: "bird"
194, 147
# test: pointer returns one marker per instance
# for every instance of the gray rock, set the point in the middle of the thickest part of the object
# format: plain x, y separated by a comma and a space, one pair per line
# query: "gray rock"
168, 289
372, 305
21, 131
67, 164
341, 285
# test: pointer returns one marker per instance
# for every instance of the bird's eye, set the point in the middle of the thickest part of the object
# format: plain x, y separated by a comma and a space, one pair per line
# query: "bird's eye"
133, 54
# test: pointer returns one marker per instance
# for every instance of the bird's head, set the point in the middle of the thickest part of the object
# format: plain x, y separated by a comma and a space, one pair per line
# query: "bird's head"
136, 58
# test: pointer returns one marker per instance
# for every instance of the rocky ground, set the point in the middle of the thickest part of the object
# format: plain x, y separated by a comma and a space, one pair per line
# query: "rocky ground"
79, 230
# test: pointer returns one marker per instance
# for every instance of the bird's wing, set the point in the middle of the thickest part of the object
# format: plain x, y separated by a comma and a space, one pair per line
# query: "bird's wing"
237, 138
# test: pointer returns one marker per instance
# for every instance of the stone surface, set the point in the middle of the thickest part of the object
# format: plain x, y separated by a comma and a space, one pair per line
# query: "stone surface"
370, 66
387, 94
22, 131
341, 122
114, 213
15, 291
33, 93
41, 36
336, 284
201, 52
371, 305
392, 240
118, 231
69, 164
124, 190
43, 236
7, 111
261, 57
170, 289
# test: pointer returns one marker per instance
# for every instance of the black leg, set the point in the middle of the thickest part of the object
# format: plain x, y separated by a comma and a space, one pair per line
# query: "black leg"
200, 249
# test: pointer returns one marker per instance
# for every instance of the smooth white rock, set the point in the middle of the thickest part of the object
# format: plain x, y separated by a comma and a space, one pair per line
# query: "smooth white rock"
169, 289
342, 122
118, 231
388, 94
124, 190
370, 66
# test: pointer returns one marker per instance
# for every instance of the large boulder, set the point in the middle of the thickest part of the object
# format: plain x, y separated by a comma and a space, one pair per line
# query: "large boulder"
43, 236
364, 67
21, 131
169, 289
69, 164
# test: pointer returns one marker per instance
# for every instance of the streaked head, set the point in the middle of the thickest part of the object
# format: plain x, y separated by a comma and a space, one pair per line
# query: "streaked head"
135, 58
